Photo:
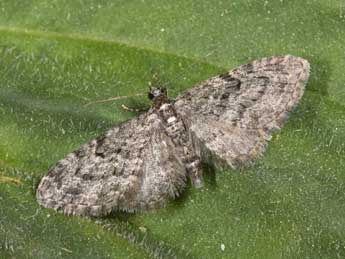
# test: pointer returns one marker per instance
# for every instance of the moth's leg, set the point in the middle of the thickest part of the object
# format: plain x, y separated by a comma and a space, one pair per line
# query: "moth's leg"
194, 173
131, 109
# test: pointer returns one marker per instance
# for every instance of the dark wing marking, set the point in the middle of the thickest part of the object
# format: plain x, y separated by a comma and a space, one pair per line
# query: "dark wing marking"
131, 167
231, 116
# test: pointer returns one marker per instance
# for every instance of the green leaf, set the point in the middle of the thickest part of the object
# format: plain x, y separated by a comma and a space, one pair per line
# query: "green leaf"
56, 56
47, 78
29, 231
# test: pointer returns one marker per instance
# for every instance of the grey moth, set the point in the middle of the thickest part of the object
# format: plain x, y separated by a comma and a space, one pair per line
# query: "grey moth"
142, 163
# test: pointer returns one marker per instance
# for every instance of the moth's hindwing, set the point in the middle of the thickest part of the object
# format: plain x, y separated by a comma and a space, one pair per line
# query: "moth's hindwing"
232, 116
131, 167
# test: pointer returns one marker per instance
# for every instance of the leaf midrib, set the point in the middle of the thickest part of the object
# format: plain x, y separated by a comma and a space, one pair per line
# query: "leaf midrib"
100, 40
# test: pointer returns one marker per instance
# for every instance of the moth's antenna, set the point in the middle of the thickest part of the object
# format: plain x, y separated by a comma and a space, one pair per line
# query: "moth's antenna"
149, 86
113, 99
156, 79
192, 65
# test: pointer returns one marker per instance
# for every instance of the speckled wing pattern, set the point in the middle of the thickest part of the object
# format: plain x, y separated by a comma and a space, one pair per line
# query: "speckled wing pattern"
232, 116
141, 163
131, 167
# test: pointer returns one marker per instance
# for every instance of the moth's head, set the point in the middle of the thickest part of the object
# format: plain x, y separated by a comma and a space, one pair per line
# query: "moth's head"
157, 92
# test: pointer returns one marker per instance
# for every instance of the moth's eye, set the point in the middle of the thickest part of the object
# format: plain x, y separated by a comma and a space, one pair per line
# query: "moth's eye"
151, 96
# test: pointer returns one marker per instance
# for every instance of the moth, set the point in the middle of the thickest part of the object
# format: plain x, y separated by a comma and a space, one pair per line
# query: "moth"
142, 163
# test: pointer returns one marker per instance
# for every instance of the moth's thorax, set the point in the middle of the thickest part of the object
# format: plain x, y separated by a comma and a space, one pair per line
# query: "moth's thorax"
174, 125
168, 113
159, 101
165, 108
